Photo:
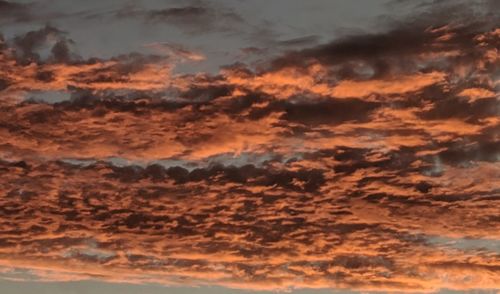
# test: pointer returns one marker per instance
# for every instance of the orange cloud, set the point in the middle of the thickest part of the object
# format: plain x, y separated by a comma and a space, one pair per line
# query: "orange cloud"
348, 169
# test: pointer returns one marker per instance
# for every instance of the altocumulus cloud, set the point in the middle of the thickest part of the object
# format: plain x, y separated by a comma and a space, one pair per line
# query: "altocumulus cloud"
368, 147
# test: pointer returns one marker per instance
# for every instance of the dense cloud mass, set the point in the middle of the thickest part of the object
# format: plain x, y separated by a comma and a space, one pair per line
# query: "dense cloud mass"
367, 163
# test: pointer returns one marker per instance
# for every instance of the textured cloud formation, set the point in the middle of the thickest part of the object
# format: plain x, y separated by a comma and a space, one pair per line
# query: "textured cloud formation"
368, 163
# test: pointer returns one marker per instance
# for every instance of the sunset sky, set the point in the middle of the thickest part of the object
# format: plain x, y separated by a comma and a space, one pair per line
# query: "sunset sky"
249, 146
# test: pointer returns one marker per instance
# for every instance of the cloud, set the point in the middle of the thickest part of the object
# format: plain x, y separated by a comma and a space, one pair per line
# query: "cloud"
28, 44
249, 226
333, 166
176, 51
197, 18
26, 70
18, 12
297, 42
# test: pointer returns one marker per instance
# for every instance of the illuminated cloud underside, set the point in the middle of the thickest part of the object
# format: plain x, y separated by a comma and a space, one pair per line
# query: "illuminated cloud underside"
378, 164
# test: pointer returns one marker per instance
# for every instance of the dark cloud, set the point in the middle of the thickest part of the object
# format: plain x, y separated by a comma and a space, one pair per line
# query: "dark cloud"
363, 48
29, 45
188, 13
467, 151
329, 111
452, 107
3, 84
248, 174
206, 93
198, 18
442, 28
61, 51
299, 42
18, 12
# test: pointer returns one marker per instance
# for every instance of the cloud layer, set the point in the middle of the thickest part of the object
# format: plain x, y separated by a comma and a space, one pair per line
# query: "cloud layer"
367, 163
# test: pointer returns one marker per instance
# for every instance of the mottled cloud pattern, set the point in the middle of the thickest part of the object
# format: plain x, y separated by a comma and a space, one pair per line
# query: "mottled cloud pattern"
367, 163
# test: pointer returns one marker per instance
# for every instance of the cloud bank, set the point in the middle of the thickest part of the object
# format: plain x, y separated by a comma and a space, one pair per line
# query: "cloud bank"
367, 163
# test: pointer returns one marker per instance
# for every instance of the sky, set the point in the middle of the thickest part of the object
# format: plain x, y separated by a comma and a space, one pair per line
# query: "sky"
216, 146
